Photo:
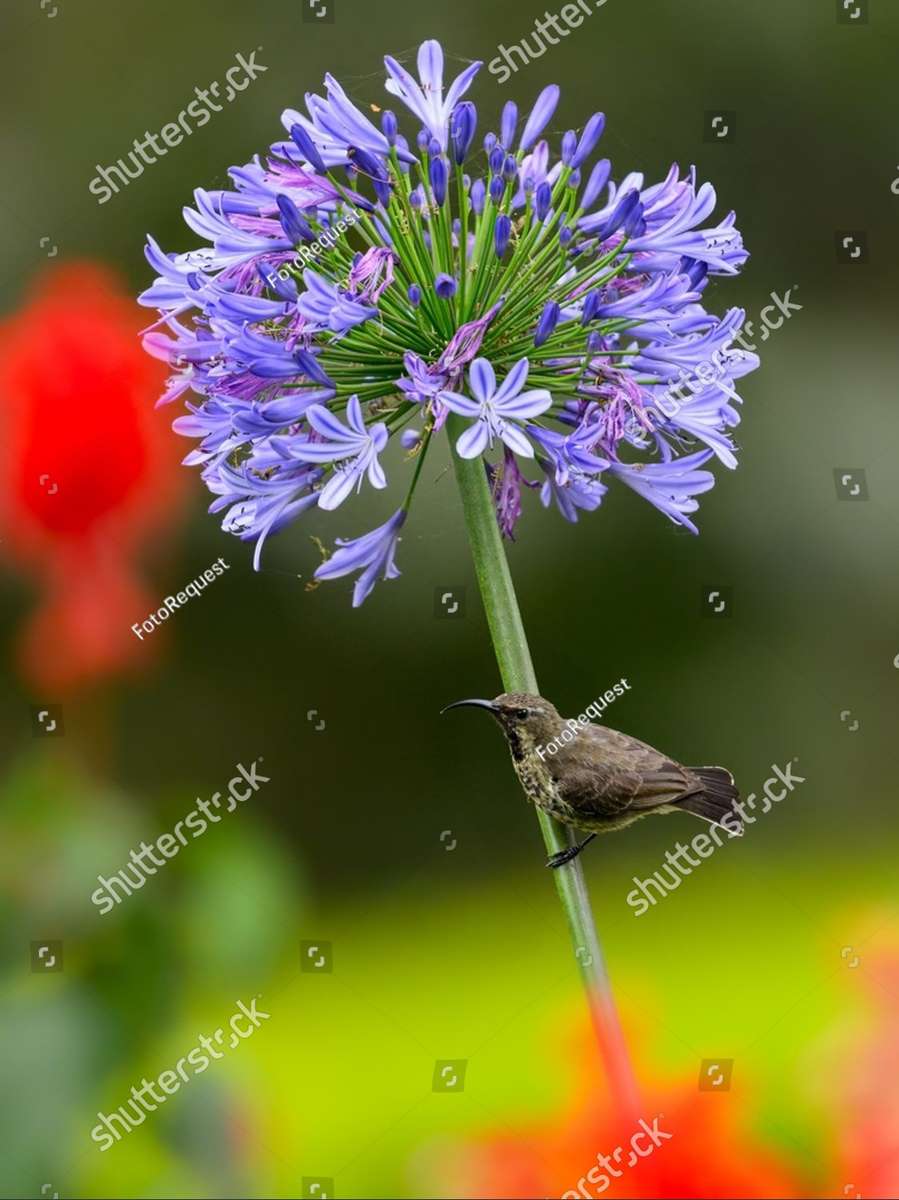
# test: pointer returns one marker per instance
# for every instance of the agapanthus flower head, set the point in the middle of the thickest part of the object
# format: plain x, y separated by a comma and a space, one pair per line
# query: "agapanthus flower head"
489, 288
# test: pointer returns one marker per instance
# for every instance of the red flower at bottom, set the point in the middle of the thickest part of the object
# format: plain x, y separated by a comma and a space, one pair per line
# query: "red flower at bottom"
699, 1151
689, 1145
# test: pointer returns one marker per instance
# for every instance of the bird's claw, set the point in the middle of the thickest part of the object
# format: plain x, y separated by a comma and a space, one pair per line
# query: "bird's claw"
562, 857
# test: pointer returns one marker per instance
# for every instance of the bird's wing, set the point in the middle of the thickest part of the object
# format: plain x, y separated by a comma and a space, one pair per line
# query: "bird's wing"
603, 773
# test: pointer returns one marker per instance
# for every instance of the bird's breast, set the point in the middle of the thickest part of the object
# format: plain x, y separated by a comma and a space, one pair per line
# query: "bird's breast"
540, 787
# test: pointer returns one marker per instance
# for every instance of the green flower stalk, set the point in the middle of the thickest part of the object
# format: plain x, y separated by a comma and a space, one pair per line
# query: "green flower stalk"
517, 673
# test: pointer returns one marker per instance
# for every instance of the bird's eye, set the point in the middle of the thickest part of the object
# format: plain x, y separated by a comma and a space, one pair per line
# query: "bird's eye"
521, 714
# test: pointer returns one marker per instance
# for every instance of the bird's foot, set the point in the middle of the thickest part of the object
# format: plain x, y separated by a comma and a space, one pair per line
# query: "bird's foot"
565, 856
562, 857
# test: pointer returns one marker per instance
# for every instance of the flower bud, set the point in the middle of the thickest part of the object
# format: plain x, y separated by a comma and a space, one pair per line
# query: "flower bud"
389, 126
502, 231
462, 124
445, 286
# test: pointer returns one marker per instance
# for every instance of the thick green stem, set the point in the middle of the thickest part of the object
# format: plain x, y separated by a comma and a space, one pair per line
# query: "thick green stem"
517, 671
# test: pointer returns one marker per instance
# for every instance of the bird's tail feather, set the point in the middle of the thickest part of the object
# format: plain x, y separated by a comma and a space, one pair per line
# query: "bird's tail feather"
716, 799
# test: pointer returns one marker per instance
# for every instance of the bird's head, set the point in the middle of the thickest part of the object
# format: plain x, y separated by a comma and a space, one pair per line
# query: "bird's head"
526, 720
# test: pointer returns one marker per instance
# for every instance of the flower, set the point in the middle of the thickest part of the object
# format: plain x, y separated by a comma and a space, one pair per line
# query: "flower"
506, 481
427, 101
698, 1149
688, 1144
358, 279
356, 448
325, 306
672, 486
372, 274
373, 554
852, 1073
494, 408
88, 471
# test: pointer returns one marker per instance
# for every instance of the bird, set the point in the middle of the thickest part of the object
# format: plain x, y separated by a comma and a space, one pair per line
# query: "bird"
600, 780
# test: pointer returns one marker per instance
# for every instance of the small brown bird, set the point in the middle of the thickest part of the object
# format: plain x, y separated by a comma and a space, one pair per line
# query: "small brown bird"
598, 779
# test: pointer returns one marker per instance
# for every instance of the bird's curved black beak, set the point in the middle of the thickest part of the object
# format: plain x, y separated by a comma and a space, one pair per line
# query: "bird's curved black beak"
488, 704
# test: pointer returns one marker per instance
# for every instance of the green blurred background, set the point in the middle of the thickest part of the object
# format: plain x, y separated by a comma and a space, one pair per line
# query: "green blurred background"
463, 953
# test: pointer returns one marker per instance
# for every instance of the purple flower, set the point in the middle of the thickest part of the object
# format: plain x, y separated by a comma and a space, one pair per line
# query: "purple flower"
466, 342
445, 286
549, 318
308, 148
315, 320
509, 121
258, 505
438, 175
593, 131
505, 483
355, 448
572, 454
324, 305
335, 124
478, 192
389, 125
578, 492
541, 115
493, 409
427, 101
672, 486
372, 554
597, 180
296, 228
463, 124
502, 231
370, 276
421, 382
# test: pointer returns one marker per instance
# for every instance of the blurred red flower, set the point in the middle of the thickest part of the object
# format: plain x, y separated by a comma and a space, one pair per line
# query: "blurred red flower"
859, 1069
87, 469
702, 1150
